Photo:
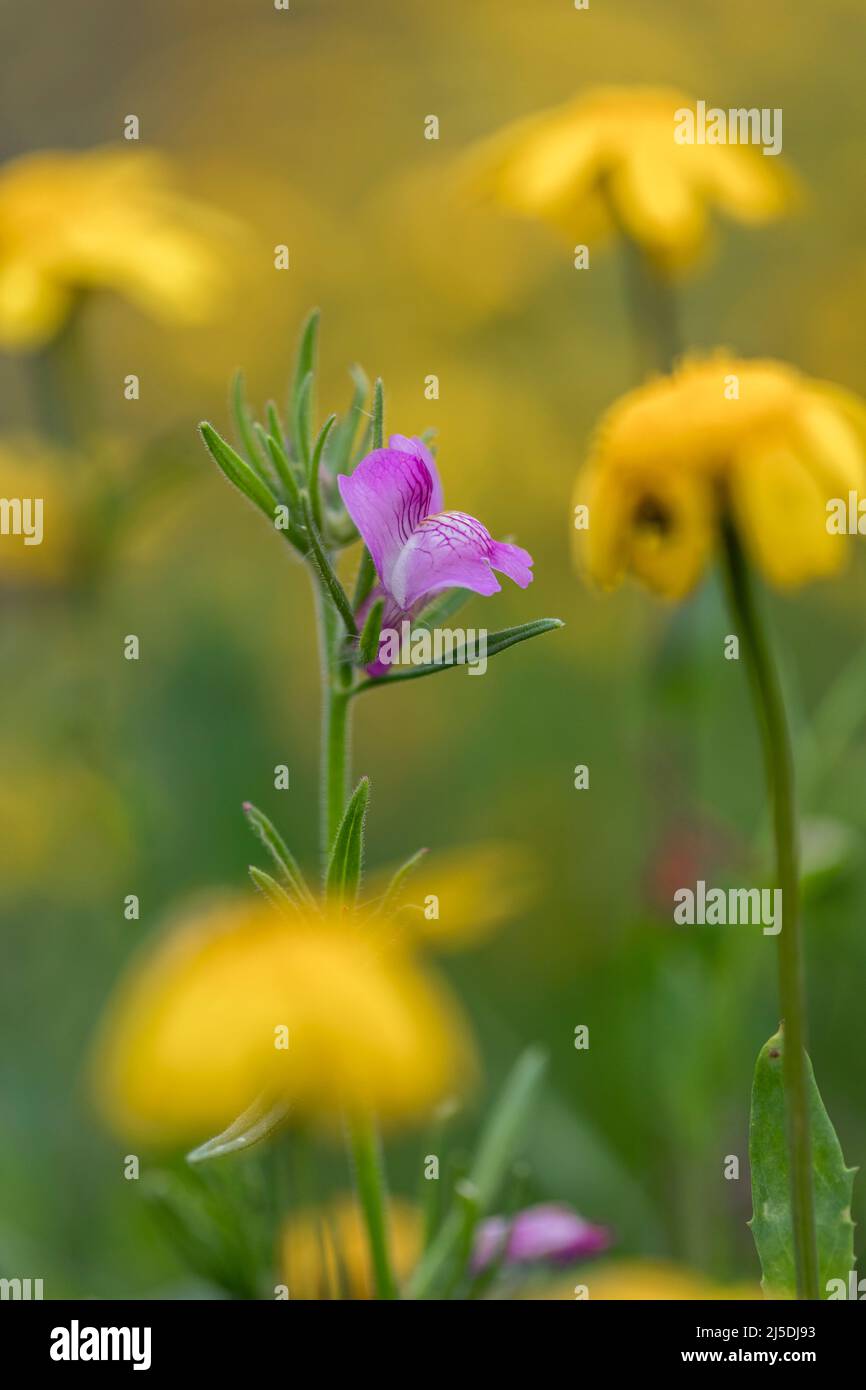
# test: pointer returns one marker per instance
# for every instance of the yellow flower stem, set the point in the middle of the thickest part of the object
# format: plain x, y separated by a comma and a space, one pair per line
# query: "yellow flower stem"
650, 299
363, 1141
60, 386
775, 735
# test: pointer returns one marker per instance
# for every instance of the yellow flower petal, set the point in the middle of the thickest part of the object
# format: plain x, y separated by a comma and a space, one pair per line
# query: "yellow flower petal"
781, 512
104, 219
615, 146
672, 458
641, 1280
192, 1035
325, 1251
464, 895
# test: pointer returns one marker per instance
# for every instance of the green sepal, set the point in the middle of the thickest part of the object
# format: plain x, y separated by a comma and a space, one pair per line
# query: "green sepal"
444, 606
368, 647
347, 856
771, 1223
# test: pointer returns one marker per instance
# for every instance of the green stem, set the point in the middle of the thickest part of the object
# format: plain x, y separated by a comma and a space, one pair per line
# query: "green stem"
363, 1140
770, 707
370, 1180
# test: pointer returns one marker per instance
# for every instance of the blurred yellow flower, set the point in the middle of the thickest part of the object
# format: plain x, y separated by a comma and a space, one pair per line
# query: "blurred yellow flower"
641, 1280
239, 1000
326, 1252
608, 159
105, 219
752, 440
32, 474
462, 896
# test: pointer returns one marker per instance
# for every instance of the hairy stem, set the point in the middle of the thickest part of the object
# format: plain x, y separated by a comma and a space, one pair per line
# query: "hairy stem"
363, 1140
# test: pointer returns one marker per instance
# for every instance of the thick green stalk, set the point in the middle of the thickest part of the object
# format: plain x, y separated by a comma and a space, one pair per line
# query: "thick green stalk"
363, 1140
770, 708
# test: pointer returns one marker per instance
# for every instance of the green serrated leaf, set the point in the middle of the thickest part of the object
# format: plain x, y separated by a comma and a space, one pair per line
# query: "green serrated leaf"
238, 471
285, 861
497, 642
771, 1222
257, 1123
347, 856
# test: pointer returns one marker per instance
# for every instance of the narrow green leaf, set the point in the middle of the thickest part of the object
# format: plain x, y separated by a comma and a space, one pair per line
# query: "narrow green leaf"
275, 424
378, 427
499, 1139
330, 582
497, 642
244, 426
343, 437
315, 467
347, 856
238, 471
302, 422
368, 647
305, 361
262, 1119
282, 466
771, 1223
270, 889
391, 895
285, 861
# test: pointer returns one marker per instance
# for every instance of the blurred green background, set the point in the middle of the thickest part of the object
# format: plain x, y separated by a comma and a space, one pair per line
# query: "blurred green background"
123, 777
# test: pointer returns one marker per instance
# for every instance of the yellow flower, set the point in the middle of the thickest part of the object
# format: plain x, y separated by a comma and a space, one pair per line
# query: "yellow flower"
104, 219
462, 896
326, 1250
239, 1000
608, 159
753, 440
641, 1280
39, 481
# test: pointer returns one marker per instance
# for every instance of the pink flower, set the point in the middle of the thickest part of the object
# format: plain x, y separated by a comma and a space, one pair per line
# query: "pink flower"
394, 497
549, 1232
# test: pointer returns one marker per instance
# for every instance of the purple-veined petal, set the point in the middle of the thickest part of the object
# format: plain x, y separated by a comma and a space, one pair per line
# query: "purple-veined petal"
390, 492
452, 550
548, 1232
